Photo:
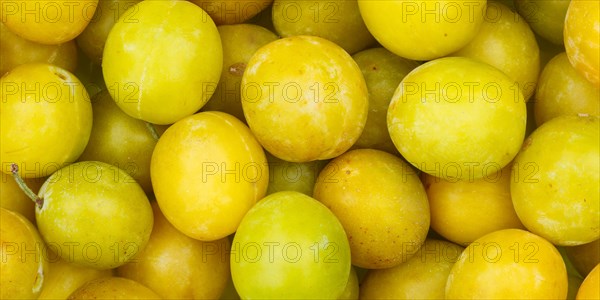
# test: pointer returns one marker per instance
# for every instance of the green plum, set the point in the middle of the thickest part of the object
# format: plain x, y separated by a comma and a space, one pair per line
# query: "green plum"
290, 245
93, 38
383, 71
120, 140
336, 20
546, 17
292, 176
92, 214
239, 44
15, 51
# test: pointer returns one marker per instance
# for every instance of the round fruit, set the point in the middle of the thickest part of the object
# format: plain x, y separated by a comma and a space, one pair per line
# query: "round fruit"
120, 140
352, 290
304, 82
582, 38
207, 171
506, 42
93, 214
91, 41
15, 51
338, 21
423, 29
239, 42
423, 276
455, 117
546, 17
46, 119
47, 21
64, 278
465, 210
589, 289
113, 288
555, 183
364, 182
294, 247
383, 71
508, 264
563, 91
162, 82
23, 266
194, 269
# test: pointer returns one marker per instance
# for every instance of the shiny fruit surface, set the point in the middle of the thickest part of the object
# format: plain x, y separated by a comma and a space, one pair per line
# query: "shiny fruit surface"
207, 171
556, 179
366, 182
46, 118
309, 256
454, 117
176, 266
94, 214
47, 21
156, 82
439, 27
304, 82
582, 38
508, 264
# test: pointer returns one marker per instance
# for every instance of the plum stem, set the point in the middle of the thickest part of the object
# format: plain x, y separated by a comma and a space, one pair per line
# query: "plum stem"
152, 130
14, 169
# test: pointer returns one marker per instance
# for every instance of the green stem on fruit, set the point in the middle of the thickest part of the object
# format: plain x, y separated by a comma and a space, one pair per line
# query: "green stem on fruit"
152, 130
14, 169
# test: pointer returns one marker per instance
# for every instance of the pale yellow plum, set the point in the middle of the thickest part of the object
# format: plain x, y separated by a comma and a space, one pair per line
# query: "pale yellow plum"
207, 171
239, 44
64, 278
508, 264
176, 266
47, 21
452, 117
590, 288
584, 257
120, 140
93, 38
113, 288
546, 17
162, 82
46, 119
582, 38
506, 42
423, 29
338, 21
465, 210
304, 98
229, 12
23, 267
556, 179
381, 203
15, 51
94, 214
309, 256
563, 91
423, 276
383, 71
